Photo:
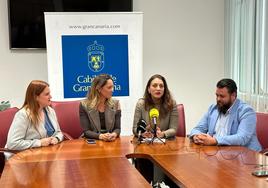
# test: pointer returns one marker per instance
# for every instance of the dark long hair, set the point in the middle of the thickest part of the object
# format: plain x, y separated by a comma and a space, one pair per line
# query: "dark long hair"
166, 103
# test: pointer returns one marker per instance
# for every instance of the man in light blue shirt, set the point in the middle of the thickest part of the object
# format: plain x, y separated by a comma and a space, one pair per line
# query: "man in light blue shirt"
229, 122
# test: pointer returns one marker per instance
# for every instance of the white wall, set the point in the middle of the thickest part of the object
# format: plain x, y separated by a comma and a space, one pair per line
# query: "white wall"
183, 41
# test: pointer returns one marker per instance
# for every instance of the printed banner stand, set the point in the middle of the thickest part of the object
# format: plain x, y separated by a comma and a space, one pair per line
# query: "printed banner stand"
81, 46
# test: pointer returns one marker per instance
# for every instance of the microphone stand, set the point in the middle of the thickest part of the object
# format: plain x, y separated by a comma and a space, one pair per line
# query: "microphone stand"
139, 138
262, 171
155, 135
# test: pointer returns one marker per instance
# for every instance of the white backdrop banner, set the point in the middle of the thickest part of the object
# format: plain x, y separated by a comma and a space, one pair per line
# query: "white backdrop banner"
81, 46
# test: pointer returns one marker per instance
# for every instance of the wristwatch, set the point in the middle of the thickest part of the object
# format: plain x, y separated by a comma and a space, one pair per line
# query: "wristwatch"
57, 138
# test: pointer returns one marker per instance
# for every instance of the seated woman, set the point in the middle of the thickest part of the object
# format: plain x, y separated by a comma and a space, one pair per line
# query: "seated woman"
35, 124
100, 115
157, 95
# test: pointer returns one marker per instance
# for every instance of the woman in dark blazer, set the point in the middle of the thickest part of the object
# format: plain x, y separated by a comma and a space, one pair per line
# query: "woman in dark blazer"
100, 115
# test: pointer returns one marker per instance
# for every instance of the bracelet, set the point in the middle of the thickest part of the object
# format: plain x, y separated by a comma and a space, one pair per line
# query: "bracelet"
57, 139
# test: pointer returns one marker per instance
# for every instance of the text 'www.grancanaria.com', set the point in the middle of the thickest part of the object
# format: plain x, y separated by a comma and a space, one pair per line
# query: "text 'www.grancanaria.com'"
84, 27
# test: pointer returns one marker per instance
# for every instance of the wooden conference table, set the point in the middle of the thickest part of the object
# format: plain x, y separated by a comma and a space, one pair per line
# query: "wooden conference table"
74, 163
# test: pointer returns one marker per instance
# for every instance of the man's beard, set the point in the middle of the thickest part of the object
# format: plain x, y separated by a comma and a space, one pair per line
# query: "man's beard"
223, 108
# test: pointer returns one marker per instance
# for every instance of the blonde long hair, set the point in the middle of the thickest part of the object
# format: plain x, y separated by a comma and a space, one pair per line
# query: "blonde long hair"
93, 95
34, 89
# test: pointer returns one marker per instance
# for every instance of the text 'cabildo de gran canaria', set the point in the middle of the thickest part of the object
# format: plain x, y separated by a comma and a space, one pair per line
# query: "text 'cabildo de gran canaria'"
84, 83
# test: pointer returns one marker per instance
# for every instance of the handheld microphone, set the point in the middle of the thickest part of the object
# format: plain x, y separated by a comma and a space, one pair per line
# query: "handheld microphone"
154, 114
141, 127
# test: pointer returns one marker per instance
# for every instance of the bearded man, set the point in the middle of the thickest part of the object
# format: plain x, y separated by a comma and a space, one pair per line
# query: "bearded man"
229, 122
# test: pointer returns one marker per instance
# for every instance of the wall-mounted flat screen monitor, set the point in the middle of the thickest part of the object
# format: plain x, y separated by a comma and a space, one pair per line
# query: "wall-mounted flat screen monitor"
26, 17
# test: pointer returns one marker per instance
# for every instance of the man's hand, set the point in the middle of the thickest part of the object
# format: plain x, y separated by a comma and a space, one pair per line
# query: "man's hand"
205, 139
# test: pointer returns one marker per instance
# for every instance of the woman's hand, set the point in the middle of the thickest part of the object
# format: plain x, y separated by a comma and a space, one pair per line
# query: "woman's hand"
147, 134
54, 140
108, 137
46, 141
159, 133
103, 137
112, 136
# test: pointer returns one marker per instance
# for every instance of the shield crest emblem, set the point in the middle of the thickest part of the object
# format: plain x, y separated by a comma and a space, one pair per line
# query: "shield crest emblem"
95, 57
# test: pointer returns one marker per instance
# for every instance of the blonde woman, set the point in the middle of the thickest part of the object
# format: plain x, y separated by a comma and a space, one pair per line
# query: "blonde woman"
100, 115
35, 124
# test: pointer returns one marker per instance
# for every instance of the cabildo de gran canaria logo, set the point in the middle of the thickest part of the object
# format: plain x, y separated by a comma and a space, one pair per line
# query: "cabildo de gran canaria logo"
95, 57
